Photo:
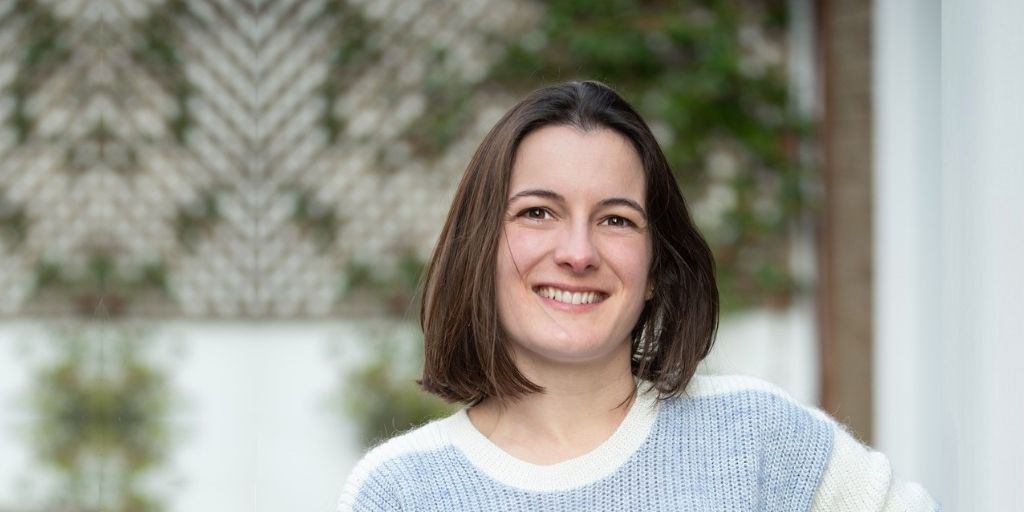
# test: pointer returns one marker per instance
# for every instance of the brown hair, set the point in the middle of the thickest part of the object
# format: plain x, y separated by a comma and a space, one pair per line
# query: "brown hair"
467, 357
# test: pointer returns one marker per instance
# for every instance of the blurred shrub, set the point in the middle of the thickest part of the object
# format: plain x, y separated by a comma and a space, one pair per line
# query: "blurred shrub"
99, 419
382, 396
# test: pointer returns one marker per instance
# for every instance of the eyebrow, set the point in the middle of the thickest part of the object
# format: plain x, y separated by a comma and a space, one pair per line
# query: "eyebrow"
555, 196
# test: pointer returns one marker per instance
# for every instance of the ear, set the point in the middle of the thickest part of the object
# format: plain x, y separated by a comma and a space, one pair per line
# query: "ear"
650, 291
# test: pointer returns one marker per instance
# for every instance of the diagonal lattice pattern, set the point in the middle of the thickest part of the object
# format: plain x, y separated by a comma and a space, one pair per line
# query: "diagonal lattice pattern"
229, 158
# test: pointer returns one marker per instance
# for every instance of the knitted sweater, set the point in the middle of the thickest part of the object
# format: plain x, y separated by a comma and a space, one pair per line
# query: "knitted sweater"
727, 444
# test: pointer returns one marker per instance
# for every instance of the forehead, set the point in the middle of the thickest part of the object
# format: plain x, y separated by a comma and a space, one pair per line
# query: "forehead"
564, 158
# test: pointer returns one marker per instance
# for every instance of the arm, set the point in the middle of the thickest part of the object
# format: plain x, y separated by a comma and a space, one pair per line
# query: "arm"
859, 479
368, 490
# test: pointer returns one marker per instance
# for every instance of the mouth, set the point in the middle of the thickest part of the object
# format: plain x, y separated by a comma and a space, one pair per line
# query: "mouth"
570, 297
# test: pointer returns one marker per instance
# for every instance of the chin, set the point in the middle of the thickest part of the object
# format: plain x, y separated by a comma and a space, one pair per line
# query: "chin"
581, 352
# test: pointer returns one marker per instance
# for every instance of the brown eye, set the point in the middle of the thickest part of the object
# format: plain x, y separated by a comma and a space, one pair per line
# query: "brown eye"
535, 213
619, 222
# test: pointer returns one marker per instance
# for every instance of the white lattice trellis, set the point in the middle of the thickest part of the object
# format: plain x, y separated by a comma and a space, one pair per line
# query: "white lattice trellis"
189, 137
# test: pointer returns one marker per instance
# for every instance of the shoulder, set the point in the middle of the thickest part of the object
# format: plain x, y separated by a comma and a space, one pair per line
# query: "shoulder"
859, 478
754, 428
375, 481
803, 447
738, 396
702, 385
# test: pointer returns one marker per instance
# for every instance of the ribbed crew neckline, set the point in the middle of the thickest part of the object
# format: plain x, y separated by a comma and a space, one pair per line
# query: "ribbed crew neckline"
568, 474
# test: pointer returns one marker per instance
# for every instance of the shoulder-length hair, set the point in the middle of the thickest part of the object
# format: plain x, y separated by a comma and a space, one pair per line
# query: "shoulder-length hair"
467, 357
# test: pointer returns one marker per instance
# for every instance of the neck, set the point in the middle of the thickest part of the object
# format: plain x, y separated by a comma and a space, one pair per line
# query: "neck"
580, 408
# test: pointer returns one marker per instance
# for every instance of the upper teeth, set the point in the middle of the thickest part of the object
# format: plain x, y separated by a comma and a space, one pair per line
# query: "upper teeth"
569, 297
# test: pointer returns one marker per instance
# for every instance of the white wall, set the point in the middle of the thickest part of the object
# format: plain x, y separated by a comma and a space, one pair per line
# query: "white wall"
907, 179
777, 346
949, 176
253, 421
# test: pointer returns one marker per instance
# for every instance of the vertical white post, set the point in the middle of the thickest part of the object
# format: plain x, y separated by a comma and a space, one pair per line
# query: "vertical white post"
949, 172
906, 211
983, 207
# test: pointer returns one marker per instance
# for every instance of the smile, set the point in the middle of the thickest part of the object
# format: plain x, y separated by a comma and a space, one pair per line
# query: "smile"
568, 297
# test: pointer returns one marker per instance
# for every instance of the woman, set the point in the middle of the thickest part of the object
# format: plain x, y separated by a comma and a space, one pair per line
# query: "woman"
568, 303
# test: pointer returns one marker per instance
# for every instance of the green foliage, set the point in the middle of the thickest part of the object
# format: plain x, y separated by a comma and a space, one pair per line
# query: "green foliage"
355, 52
157, 52
44, 50
382, 395
449, 109
397, 291
316, 218
13, 222
100, 410
99, 290
197, 219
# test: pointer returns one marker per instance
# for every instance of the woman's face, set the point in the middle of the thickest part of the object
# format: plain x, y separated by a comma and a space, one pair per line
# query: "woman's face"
574, 254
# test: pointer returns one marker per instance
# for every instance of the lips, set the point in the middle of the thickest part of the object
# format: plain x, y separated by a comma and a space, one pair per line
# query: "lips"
570, 296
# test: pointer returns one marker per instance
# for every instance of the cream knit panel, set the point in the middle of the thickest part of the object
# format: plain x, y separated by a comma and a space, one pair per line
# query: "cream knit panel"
858, 479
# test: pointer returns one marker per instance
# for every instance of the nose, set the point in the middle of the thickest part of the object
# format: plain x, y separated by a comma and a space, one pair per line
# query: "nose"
576, 250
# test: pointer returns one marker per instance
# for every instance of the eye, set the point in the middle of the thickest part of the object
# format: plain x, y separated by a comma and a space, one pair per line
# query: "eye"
619, 222
535, 213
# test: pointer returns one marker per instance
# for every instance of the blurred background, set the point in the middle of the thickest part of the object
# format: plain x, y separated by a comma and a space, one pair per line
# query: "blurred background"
214, 215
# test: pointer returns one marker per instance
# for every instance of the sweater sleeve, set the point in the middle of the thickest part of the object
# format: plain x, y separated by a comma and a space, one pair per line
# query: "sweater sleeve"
368, 489
859, 479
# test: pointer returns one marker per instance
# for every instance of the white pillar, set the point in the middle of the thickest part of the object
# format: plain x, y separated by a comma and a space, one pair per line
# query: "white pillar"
906, 181
949, 217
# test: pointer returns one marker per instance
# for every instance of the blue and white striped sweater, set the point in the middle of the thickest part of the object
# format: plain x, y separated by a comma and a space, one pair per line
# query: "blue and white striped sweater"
727, 444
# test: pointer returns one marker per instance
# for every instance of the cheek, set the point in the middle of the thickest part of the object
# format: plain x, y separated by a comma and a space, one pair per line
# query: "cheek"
519, 250
632, 261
